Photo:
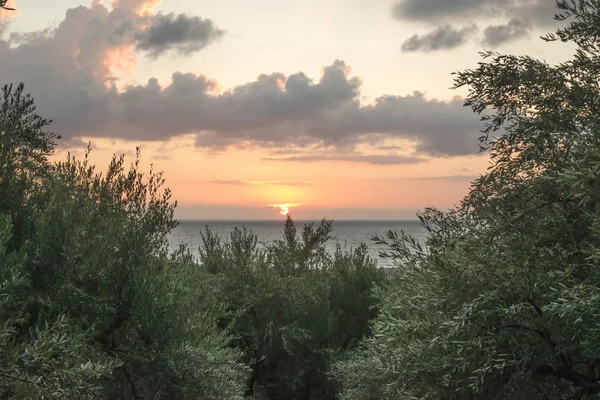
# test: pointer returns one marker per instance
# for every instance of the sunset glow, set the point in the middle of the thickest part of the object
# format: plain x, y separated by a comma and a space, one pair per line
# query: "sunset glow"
284, 209
330, 124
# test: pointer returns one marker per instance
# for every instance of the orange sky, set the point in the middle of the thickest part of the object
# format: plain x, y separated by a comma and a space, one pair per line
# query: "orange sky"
207, 186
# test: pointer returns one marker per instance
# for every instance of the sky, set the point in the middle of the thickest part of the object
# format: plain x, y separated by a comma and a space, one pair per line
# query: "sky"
337, 109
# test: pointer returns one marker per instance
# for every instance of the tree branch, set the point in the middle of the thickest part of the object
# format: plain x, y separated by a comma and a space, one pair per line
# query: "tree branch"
129, 379
535, 306
3, 5
539, 332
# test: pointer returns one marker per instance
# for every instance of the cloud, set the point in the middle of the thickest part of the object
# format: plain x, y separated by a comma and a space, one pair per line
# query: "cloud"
80, 61
162, 157
443, 38
76, 143
140, 7
124, 153
4, 22
449, 178
521, 17
436, 11
181, 34
428, 10
6, 15
284, 208
374, 159
260, 183
516, 28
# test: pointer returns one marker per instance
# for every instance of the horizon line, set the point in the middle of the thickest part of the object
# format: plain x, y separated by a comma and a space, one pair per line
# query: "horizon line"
295, 220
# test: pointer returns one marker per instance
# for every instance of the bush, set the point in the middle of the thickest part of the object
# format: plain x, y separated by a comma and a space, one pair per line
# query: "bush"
292, 307
93, 304
47, 359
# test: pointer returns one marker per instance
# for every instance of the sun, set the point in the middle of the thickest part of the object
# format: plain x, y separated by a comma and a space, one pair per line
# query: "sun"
284, 209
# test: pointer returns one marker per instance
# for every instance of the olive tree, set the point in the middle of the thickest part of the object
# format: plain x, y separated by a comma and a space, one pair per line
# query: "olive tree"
502, 301
92, 304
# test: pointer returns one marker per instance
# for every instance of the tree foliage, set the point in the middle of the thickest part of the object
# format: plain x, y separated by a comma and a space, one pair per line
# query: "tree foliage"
94, 306
50, 359
292, 307
503, 302
500, 302
92, 303
25, 144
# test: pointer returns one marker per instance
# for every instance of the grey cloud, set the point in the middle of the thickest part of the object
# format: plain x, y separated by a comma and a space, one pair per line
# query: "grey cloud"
76, 143
540, 12
17, 38
162, 157
442, 38
4, 22
428, 10
516, 28
72, 62
181, 34
260, 183
374, 159
124, 153
438, 127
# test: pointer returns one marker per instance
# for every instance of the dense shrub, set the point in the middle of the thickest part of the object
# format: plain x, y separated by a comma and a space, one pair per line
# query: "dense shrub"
292, 307
50, 359
93, 304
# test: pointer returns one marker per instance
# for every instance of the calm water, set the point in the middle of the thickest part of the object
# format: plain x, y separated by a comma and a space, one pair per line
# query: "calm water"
347, 233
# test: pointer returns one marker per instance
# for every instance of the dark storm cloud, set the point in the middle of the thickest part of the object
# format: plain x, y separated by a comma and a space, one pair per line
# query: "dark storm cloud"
374, 159
260, 183
516, 28
442, 38
68, 72
182, 34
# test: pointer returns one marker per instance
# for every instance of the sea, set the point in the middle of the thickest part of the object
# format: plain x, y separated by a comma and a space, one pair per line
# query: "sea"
348, 234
